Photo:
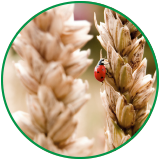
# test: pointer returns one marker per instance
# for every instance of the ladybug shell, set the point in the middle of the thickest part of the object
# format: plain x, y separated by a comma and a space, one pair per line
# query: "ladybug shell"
100, 72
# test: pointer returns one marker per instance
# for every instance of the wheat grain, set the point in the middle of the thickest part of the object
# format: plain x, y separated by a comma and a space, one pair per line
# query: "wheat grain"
52, 61
127, 88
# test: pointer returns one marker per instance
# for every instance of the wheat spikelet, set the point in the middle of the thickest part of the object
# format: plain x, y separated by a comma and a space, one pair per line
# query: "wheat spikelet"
52, 61
127, 88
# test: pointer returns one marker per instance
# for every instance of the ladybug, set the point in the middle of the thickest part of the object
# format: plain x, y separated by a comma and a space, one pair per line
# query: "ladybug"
100, 71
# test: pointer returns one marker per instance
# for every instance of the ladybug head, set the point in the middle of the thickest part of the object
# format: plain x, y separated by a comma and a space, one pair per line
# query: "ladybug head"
101, 61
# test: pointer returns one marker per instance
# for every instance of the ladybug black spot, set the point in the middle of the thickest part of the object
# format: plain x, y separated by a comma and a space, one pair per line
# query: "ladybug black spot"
101, 77
98, 72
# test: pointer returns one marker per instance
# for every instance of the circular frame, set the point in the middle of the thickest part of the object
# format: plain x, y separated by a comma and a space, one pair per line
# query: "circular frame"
3, 94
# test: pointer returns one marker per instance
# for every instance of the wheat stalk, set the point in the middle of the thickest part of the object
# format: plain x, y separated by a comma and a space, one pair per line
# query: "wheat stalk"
127, 88
52, 61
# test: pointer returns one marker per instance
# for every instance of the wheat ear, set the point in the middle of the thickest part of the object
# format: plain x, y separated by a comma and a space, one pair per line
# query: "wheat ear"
52, 61
127, 88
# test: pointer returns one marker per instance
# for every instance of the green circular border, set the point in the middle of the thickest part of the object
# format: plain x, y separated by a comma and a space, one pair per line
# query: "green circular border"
2, 71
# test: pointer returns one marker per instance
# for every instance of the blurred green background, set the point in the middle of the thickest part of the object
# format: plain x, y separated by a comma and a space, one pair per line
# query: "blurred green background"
92, 116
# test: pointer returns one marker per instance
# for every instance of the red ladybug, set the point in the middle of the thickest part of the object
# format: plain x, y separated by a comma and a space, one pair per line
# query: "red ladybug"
100, 71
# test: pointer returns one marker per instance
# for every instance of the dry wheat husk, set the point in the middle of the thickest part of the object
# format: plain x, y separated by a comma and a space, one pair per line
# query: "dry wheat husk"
127, 88
51, 63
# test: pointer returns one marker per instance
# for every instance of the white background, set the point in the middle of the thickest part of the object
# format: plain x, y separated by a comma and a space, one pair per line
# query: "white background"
13, 14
